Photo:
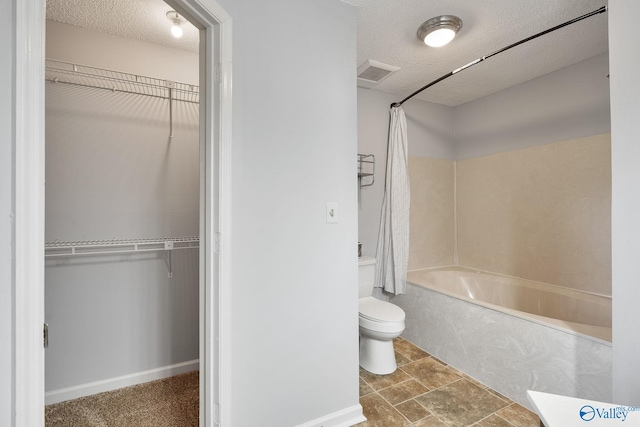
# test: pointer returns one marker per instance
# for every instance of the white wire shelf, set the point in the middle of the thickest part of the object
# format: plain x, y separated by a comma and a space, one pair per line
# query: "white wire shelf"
86, 76
83, 75
111, 247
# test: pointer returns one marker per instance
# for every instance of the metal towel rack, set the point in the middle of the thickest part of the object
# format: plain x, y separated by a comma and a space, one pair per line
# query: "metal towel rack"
366, 169
117, 81
123, 246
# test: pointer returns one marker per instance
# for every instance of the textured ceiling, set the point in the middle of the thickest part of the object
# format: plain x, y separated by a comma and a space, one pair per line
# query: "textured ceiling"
144, 20
387, 33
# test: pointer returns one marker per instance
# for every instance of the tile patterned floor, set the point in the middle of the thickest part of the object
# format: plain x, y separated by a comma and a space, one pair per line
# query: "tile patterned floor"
426, 392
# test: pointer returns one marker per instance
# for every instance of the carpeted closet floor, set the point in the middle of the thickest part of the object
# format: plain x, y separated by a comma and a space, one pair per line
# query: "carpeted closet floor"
171, 402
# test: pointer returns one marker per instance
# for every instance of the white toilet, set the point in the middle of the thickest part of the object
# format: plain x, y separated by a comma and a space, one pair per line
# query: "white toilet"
380, 322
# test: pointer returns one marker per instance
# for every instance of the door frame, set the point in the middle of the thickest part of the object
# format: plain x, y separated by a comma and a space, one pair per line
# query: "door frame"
28, 208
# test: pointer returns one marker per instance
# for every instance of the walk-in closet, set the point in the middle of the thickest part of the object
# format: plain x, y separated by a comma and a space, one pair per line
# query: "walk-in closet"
122, 204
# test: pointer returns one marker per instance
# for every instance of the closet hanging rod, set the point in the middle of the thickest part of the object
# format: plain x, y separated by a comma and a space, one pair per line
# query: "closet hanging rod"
477, 61
122, 246
101, 78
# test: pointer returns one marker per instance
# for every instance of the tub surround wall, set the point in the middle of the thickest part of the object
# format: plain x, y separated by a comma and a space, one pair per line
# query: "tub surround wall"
432, 221
541, 213
505, 352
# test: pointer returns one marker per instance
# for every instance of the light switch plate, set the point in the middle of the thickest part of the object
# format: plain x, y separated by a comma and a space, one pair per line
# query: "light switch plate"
332, 212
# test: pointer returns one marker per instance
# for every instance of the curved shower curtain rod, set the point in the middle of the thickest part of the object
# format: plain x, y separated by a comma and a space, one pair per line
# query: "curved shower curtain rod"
477, 61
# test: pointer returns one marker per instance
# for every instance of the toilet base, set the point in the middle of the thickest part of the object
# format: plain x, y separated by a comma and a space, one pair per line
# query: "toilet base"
377, 356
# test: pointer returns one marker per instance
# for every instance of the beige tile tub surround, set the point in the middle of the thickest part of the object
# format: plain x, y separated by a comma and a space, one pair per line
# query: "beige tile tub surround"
540, 213
431, 242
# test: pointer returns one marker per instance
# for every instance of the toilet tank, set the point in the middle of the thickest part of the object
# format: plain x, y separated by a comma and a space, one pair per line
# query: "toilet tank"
366, 276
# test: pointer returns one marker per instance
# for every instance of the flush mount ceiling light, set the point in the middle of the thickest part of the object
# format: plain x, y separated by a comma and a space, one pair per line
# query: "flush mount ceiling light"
439, 31
176, 29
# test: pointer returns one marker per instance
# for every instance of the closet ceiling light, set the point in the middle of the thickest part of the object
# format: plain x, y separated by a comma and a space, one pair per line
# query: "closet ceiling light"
439, 31
176, 29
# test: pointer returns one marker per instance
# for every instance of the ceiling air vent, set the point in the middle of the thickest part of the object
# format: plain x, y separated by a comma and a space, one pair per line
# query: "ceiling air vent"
373, 72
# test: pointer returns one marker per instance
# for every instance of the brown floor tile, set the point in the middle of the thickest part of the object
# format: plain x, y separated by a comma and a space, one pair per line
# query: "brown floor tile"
380, 413
412, 410
461, 403
403, 391
401, 360
426, 392
431, 421
409, 350
379, 382
430, 373
474, 381
493, 421
501, 396
455, 371
365, 388
439, 361
519, 416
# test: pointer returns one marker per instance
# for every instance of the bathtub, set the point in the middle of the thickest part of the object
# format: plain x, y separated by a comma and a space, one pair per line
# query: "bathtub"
512, 334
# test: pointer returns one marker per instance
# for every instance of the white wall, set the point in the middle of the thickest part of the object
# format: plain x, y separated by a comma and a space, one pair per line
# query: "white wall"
625, 153
81, 46
6, 208
294, 277
570, 103
430, 133
112, 172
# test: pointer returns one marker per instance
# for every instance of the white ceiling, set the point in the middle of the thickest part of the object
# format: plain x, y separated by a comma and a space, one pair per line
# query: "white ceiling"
144, 20
387, 33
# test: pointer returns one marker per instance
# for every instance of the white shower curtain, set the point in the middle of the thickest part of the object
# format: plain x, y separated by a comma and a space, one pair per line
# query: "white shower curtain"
392, 253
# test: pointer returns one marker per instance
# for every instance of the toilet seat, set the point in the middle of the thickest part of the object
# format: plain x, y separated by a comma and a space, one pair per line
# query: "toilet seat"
379, 311
380, 316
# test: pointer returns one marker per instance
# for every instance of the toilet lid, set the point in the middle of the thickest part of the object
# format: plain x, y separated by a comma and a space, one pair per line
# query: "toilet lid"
380, 311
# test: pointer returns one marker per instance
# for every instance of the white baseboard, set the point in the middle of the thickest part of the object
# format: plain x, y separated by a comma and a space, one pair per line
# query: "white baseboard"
56, 396
344, 418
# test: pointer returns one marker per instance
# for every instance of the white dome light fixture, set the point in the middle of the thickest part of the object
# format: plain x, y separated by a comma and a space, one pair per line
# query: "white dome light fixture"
176, 29
439, 31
